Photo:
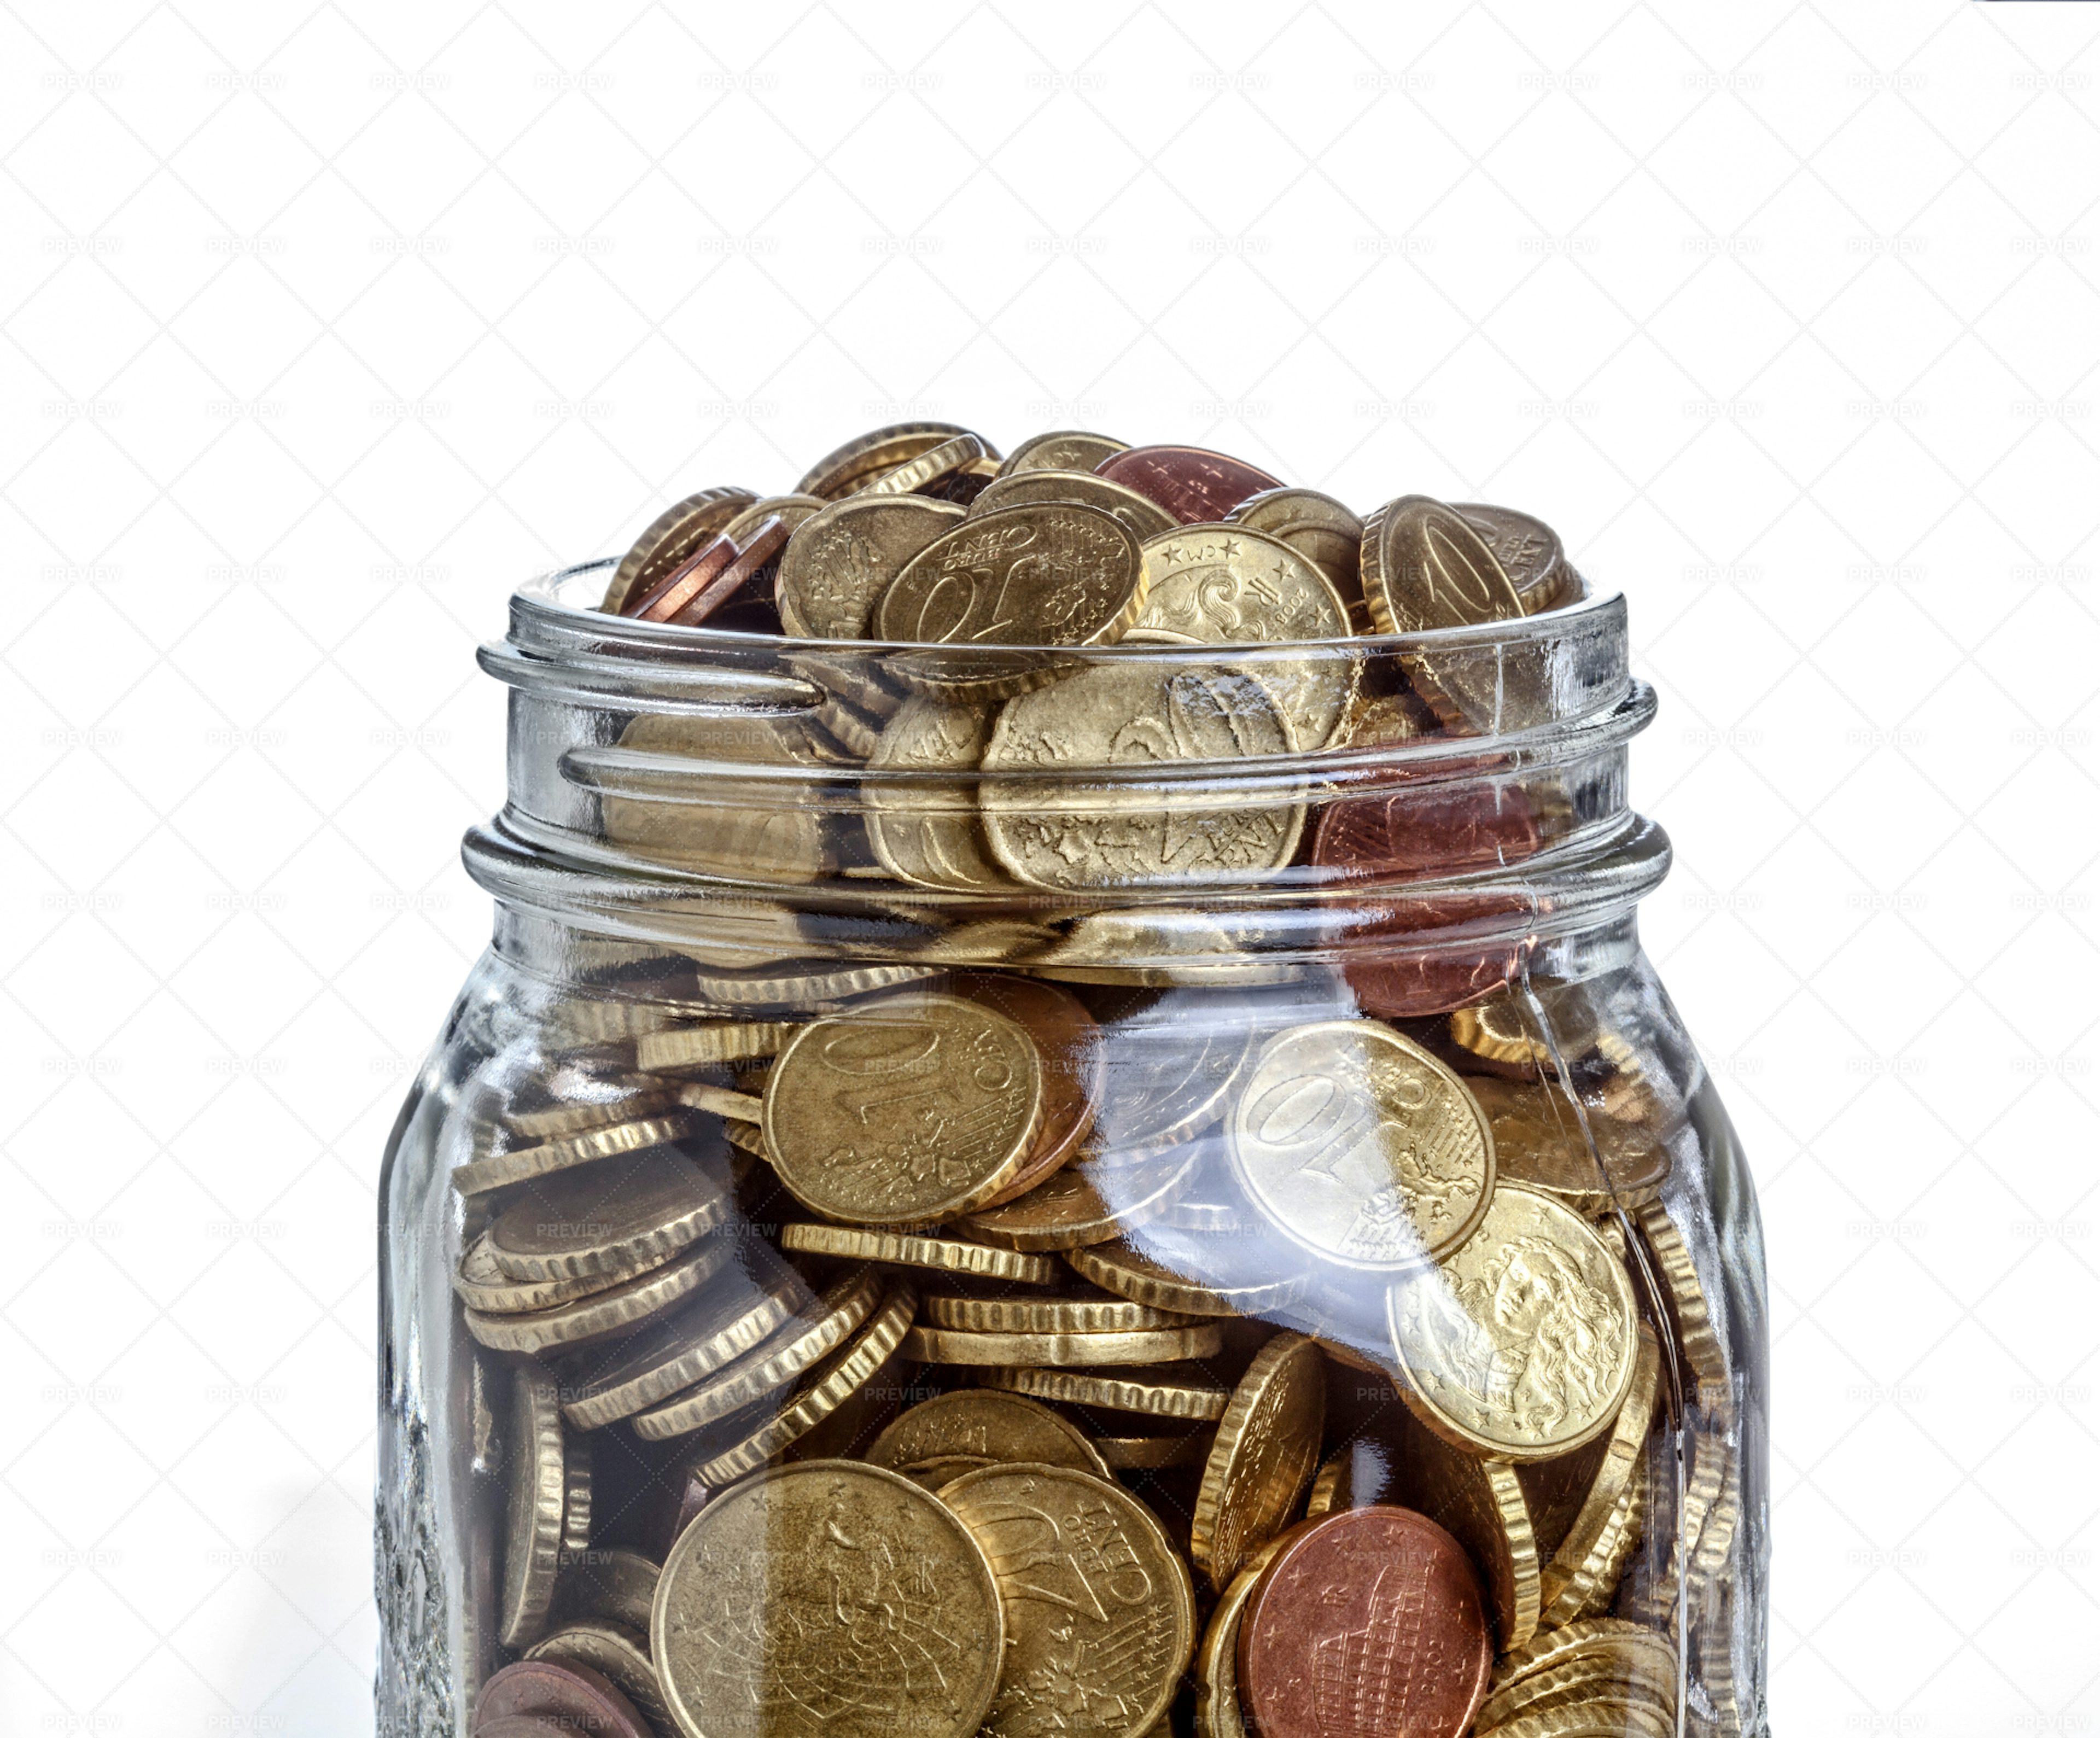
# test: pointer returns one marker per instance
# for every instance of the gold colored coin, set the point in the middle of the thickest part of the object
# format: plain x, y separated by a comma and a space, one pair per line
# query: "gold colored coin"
1501, 1030
821, 1393
1633, 1676
1136, 1273
958, 452
1051, 827
908, 1109
1179, 1056
1611, 1635
724, 1322
711, 1045
1221, 585
1062, 449
839, 563
806, 990
1101, 1314
673, 535
791, 510
1218, 1713
829, 1596
1100, 1613
1085, 1204
769, 1366
1591, 1589
616, 1219
1424, 569
1599, 1716
1698, 1343
1521, 1345
545, 1157
1139, 1346
1320, 528
678, 807
1541, 1142
1040, 573
1266, 1449
1528, 551
538, 1502
846, 468
1154, 1453
1158, 1393
903, 1248
1583, 1546
577, 1116
984, 1428
851, 673
483, 1286
925, 830
1361, 1147
615, 1310
1143, 516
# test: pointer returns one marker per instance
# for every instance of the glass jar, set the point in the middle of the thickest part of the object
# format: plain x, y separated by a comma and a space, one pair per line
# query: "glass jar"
894, 1066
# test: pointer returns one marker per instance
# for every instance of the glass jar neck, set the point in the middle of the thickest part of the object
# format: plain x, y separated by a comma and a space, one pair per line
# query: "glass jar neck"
730, 798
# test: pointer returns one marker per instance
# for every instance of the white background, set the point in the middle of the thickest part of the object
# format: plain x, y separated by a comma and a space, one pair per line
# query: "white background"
323, 328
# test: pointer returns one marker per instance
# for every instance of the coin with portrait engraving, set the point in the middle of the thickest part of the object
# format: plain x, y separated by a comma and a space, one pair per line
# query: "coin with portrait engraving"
1522, 1344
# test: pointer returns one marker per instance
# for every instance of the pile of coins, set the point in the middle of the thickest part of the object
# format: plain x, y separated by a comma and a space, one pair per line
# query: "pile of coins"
1038, 1351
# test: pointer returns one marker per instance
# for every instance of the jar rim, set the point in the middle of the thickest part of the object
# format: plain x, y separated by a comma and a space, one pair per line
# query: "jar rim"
546, 611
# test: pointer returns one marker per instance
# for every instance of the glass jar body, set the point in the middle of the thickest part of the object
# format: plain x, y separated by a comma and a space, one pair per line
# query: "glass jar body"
1408, 1193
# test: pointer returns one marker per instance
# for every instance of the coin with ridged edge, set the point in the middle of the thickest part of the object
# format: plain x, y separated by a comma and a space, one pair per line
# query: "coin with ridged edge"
1145, 519
834, 1585
820, 1393
1101, 1615
908, 1109
1138, 1346
768, 1366
1158, 1392
1522, 1344
617, 1218
857, 461
562, 1152
983, 1426
906, 1249
618, 1308
1268, 1447
538, 1494
1062, 449
671, 536
1361, 1147
676, 1351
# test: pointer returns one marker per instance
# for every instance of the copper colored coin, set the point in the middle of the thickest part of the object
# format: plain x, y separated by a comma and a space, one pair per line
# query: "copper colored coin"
528, 1725
1398, 980
1368, 1621
1196, 487
1074, 1066
760, 550
1406, 835
683, 583
579, 1699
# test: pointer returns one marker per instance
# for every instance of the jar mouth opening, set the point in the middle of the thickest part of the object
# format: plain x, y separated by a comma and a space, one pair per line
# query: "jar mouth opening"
559, 608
